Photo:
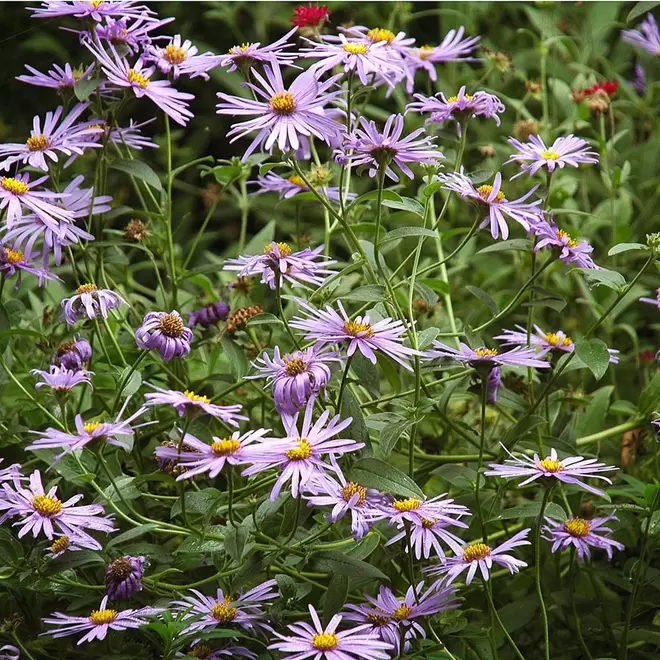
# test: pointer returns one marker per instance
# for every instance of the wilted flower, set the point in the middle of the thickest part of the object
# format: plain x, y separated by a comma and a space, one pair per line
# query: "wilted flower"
73, 354
646, 37
9, 652
90, 302
581, 534
61, 379
136, 230
181, 57
131, 34
516, 357
240, 317
248, 54
525, 128
210, 315
123, 577
165, 333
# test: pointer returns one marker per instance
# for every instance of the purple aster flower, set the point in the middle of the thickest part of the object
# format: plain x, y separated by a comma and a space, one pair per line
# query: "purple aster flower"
57, 78
299, 456
394, 619
328, 327
324, 643
200, 457
571, 251
481, 556
13, 261
62, 544
396, 44
277, 259
138, 77
283, 115
493, 384
9, 652
287, 187
458, 108
73, 354
123, 577
429, 536
639, 81
43, 511
492, 199
111, 433
182, 58
210, 315
94, 9
367, 146
647, 37
569, 150
11, 473
81, 202
652, 301
189, 402
245, 610
165, 333
296, 376
99, 622
248, 54
568, 470
60, 379
132, 34
581, 534
516, 357
545, 342
90, 302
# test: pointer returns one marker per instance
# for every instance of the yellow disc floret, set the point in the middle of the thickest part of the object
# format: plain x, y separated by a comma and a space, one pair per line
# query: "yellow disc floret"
380, 34
283, 103
302, 452
476, 552
14, 186
485, 191
411, 504
46, 505
37, 143
325, 641
356, 329
174, 54
135, 77
577, 527
225, 447
103, 617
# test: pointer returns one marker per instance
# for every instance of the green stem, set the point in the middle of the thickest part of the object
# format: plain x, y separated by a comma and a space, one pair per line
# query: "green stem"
20, 646
113, 339
344, 380
537, 559
576, 618
168, 213
127, 379
611, 432
201, 231
491, 605
482, 441
230, 495
245, 211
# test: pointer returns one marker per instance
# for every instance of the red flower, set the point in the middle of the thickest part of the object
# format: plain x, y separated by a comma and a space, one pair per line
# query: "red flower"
607, 86
310, 15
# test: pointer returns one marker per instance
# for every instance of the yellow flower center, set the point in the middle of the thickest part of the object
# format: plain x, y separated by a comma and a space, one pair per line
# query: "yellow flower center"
96, 3
302, 452
565, 236
411, 504
223, 613
90, 427
283, 103
37, 142
295, 366
551, 465
577, 527
46, 505
297, 181
171, 325
484, 352
469, 97
196, 398
201, 650
476, 552
103, 617
380, 34
136, 77
355, 329
425, 51
350, 489
325, 641
402, 612
225, 447
356, 49
238, 50
60, 545
86, 288
556, 340
378, 619
550, 155
14, 186
174, 54
484, 192
427, 523
284, 249
14, 256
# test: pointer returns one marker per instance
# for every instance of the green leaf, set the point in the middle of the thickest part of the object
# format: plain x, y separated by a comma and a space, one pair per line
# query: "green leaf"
236, 540
363, 548
639, 9
335, 596
593, 419
367, 374
131, 534
406, 232
626, 247
484, 297
650, 396
197, 545
519, 613
480, 176
391, 434
594, 354
127, 491
263, 319
609, 278
437, 285
83, 88
203, 502
73, 560
366, 293
351, 408
389, 195
425, 337
261, 239
133, 384
237, 360
5, 328
460, 476
532, 510
405, 204
139, 170
518, 244
337, 563
374, 473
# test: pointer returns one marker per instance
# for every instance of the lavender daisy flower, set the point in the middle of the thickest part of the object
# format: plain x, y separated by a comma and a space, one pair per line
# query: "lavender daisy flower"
396, 44
328, 327
131, 135
481, 556
132, 34
11, 473
43, 511
581, 534
545, 342
571, 251
9, 652
291, 186
638, 83
81, 202
296, 376
244, 610
498, 206
568, 470
429, 535
57, 78
516, 357
90, 302
200, 457
13, 261
299, 456
569, 150
182, 58
165, 333
60, 379
647, 37
248, 54
61, 545
283, 115
138, 78
94, 9
324, 643
279, 262
367, 146
210, 315
88, 432
123, 577
99, 622
73, 354
652, 301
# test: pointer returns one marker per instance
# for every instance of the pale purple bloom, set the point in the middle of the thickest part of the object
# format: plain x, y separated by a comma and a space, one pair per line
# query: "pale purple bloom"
133, 35
131, 136
368, 146
58, 78
482, 557
416, 511
581, 534
492, 199
569, 470
123, 577
652, 301
11, 473
429, 535
62, 544
182, 58
299, 456
165, 333
295, 376
60, 379
210, 315
81, 202
43, 511
13, 261
99, 622
90, 302
571, 250
73, 354
493, 384
308, 266
324, 643
247, 54
328, 327
197, 457
639, 81
647, 37
94, 9
395, 43
283, 115
516, 357
138, 77
292, 186
9, 652
244, 610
